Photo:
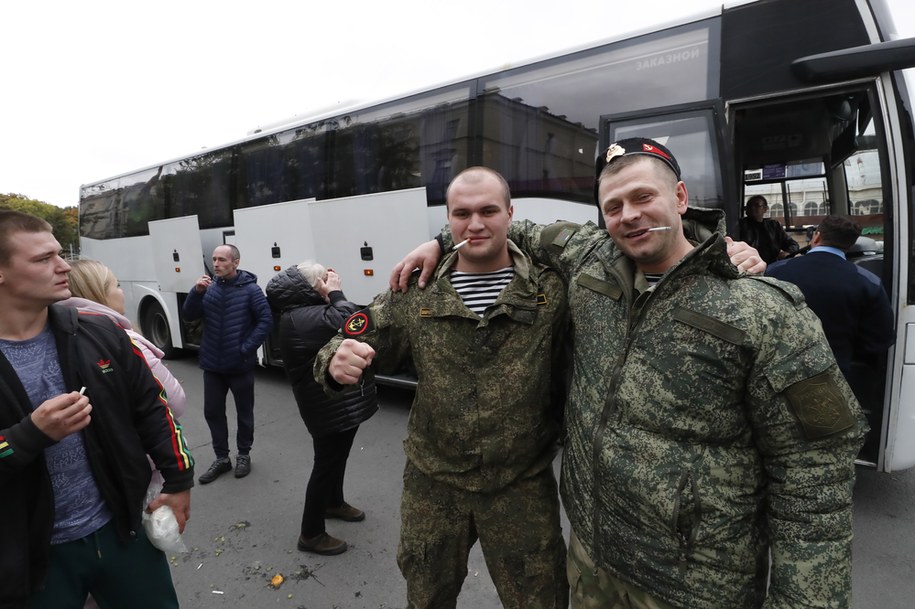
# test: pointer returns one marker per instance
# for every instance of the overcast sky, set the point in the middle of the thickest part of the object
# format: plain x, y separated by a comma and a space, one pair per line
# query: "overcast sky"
96, 88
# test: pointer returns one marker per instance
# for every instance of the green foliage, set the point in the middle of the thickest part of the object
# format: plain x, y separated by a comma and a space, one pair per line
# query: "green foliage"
64, 220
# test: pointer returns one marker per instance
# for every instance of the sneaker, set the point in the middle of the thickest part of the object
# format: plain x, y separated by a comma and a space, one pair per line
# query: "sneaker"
324, 544
345, 512
242, 466
219, 467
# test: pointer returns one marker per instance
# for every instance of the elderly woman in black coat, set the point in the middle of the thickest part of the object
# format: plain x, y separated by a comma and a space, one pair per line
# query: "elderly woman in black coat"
312, 308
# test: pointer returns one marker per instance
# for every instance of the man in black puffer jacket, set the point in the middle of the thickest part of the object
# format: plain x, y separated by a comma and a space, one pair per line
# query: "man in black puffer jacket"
312, 308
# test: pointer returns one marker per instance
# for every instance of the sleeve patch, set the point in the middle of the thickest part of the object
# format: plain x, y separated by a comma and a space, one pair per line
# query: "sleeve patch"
358, 324
819, 406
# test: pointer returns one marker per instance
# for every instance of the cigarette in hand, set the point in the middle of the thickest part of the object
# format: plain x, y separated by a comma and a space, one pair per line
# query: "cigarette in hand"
83, 390
658, 228
461, 244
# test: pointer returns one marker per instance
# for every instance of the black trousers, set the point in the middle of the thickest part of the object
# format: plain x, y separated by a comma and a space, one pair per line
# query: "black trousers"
325, 487
216, 386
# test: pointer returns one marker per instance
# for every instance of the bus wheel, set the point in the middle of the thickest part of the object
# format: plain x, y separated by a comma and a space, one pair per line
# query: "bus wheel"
155, 328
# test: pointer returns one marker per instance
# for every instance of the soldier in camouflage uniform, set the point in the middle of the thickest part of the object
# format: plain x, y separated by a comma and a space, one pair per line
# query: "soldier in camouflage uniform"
709, 429
486, 416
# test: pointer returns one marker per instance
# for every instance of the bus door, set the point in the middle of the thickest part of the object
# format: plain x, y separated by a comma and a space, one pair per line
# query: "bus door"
820, 153
271, 238
363, 237
178, 262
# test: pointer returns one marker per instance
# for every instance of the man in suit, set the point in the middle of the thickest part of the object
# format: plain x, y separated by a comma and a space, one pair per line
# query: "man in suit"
849, 300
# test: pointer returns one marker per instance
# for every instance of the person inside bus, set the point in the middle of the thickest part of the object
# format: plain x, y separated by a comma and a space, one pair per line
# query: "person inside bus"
710, 435
765, 234
311, 306
850, 301
81, 412
487, 342
236, 320
95, 290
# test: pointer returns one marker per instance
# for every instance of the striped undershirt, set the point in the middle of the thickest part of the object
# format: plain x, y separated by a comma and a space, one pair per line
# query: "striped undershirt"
480, 290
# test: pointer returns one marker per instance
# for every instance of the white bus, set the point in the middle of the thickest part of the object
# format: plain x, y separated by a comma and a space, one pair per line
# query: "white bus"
805, 101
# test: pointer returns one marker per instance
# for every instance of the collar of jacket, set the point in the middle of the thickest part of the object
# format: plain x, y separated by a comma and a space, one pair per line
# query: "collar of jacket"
519, 261
518, 299
241, 278
703, 227
63, 318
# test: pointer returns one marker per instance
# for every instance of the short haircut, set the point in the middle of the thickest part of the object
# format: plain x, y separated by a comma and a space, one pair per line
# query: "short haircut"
311, 271
233, 251
12, 222
478, 174
838, 231
92, 280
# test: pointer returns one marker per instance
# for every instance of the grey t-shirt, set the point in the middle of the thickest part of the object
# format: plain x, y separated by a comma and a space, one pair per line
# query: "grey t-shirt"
79, 509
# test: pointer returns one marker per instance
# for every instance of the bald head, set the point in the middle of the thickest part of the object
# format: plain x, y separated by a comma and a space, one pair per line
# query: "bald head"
478, 175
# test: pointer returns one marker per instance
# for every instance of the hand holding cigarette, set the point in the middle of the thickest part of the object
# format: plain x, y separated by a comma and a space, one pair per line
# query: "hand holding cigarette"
62, 415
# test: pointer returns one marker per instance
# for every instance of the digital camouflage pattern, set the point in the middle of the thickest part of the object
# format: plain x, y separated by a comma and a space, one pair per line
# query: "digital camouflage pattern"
484, 420
596, 588
707, 423
523, 544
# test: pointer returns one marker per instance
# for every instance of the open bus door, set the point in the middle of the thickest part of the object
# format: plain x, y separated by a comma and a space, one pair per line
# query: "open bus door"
178, 262
271, 238
826, 152
361, 237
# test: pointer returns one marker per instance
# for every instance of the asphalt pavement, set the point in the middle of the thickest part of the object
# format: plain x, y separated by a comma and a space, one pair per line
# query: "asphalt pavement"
242, 533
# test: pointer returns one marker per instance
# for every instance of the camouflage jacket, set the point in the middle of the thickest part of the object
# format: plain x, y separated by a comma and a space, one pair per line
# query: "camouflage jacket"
485, 413
707, 423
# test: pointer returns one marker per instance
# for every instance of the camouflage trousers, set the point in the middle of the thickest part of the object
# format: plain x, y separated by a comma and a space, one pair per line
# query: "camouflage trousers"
595, 588
518, 529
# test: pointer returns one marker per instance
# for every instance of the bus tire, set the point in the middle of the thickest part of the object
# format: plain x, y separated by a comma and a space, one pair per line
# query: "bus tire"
155, 328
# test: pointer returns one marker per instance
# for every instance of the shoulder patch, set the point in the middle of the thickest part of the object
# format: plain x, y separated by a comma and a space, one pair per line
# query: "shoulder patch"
357, 324
819, 406
558, 234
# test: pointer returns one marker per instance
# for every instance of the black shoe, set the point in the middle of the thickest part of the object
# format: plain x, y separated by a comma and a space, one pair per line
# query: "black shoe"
242, 466
345, 512
323, 544
219, 467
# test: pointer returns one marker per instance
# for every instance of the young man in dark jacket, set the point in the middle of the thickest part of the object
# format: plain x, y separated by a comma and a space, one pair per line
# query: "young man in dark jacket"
236, 320
79, 412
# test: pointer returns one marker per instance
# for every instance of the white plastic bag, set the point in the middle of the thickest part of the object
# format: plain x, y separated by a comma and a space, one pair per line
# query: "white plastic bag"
161, 526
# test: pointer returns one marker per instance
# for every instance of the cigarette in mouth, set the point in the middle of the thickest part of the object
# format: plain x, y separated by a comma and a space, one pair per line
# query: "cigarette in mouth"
83, 390
460, 245
658, 228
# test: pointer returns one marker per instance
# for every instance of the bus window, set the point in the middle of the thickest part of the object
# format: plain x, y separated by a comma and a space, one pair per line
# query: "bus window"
540, 123
690, 130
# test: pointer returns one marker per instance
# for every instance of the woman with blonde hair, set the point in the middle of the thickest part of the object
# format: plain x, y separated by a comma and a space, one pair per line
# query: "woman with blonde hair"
95, 289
